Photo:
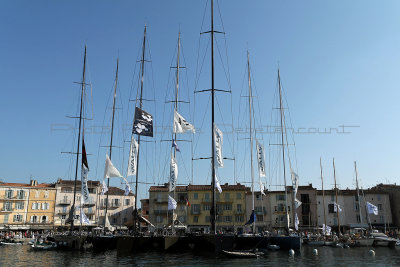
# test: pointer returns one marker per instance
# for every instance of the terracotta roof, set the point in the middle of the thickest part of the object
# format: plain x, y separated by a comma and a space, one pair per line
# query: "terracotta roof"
351, 192
164, 188
43, 185
115, 191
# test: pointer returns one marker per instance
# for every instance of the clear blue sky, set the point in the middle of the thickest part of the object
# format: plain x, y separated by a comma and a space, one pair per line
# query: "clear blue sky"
339, 61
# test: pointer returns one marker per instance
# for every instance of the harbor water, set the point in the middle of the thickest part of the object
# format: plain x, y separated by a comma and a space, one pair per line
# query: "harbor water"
23, 256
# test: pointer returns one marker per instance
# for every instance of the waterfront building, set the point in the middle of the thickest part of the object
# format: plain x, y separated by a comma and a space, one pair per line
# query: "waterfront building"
13, 206
194, 205
144, 211
394, 198
277, 207
261, 208
64, 200
307, 212
120, 207
41, 204
351, 205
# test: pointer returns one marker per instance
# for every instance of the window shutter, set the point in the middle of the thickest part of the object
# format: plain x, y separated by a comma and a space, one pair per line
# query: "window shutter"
33, 206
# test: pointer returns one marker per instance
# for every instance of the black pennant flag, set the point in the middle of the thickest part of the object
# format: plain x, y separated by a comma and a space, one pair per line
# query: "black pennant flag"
143, 124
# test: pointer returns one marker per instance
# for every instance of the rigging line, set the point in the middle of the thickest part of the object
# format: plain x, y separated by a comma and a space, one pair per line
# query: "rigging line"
222, 64
202, 123
219, 109
202, 65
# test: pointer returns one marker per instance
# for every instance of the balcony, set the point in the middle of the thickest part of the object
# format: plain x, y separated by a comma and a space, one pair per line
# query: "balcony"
112, 205
90, 204
62, 212
13, 198
64, 202
4, 210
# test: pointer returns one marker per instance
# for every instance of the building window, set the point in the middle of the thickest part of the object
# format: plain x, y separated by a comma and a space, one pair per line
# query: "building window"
207, 196
125, 220
21, 194
66, 189
239, 207
227, 218
63, 217
34, 219
378, 197
356, 198
258, 209
8, 206
37, 194
280, 197
239, 218
356, 207
46, 194
91, 190
196, 208
227, 196
17, 218
45, 206
127, 202
238, 195
358, 219
331, 208
44, 219
281, 207
227, 206
260, 218
208, 219
9, 194
159, 219
332, 197
19, 205
195, 196
36, 206
6, 218
258, 196
195, 219
64, 209
379, 206
382, 219
206, 207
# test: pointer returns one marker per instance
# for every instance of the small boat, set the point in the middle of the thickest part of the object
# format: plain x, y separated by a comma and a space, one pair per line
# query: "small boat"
242, 253
47, 245
273, 247
364, 242
316, 242
11, 242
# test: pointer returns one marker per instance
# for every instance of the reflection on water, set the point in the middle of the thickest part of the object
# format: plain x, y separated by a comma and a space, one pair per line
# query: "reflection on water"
23, 256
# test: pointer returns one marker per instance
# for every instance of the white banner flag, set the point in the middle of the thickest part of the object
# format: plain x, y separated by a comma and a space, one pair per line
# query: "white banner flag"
104, 188
173, 175
110, 170
85, 198
133, 157
262, 188
326, 230
127, 187
296, 222
181, 125
171, 203
217, 185
83, 218
336, 207
295, 182
218, 147
372, 208
297, 203
261, 159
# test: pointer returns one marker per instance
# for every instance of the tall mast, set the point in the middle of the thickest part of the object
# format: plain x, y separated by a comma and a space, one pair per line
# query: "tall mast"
79, 139
138, 136
111, 139
358, 193
176, 109
323, 194
283, 152
251, 137
336, 192
213, 209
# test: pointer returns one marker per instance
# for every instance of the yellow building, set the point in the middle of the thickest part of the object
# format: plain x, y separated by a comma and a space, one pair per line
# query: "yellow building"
13, 206
41, 204
231, 208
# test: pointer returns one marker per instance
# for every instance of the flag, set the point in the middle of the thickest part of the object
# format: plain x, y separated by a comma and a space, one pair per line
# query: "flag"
83, 218
295, 182
261, 159
127, 187
110, 171
296, 222
171, 203
143, 123
104, 188
217, 185
262, 188
336, 207
175, 145
173, 174
372, 208
326, 230
133, 157
181, 125
297, 203
252, 218
218, 147
187, 203
84, 176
